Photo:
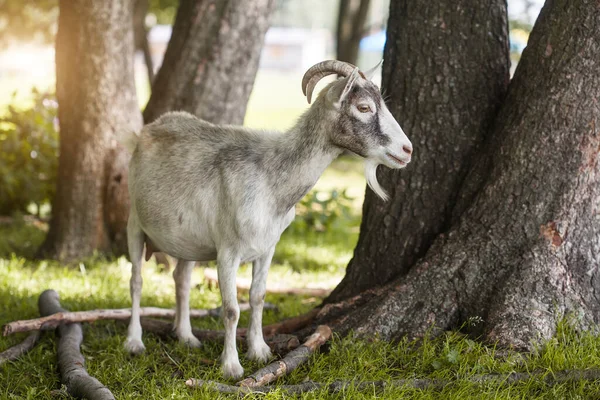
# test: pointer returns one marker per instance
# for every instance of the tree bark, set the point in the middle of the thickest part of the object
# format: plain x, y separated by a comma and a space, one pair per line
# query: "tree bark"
352, 16
211, 60
97, 99
445, 73
526, 250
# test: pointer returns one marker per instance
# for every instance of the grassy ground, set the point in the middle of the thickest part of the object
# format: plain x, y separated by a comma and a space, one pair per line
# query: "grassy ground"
160, 373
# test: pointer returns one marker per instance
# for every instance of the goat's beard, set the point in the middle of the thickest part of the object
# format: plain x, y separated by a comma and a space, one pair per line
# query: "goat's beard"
371, 175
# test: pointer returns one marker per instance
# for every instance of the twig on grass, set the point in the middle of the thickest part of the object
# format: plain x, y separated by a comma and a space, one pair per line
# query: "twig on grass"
16, 351
71, 363
418, 383
54, 320
290, 362
244, 284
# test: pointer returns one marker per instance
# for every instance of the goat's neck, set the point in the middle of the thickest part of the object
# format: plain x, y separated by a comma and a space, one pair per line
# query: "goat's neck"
302, 155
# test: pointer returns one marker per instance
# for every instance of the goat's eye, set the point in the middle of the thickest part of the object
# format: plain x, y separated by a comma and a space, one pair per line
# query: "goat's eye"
363, 108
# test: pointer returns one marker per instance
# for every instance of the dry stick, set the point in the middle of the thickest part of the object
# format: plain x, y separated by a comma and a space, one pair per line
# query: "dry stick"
293, 360
12, 353
52, 321
71, 363
279, 343
423, 383
244, 284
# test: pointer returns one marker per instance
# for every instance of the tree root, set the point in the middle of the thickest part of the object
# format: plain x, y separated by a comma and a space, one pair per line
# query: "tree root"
210, 275
71, 363
418, 383
54, 320
18, 350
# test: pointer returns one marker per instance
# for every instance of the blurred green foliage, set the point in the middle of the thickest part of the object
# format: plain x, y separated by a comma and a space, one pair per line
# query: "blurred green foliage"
324, 211
29, 146
36, 20
28, 20
163, 10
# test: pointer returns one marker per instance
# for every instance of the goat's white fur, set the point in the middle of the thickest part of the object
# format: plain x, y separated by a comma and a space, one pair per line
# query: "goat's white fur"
202, 192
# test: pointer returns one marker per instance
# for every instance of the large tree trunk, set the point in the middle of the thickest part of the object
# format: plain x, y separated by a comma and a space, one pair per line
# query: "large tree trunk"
350, 30
526, 250
97, 99
445, 73
211, 60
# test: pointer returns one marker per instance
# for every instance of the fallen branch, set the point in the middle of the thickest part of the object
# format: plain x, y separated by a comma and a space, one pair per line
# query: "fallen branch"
54, 320
279, 343
16, 351
71, 363
420, 383
244, 284
290, 362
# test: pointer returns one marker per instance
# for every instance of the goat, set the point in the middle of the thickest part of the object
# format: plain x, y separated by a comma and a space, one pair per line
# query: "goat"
202, 192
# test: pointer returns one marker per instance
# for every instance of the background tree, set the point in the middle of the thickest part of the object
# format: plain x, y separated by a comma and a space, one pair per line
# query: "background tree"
140, 33
514, 239
96, 95
350, 29
211, 60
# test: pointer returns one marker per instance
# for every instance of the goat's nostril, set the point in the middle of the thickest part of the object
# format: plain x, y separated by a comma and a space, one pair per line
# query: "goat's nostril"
407, 149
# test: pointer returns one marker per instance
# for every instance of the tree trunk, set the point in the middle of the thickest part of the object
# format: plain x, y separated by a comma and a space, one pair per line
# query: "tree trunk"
445, 74
140, 33
526, 250
97, 99
352, 16
211, 60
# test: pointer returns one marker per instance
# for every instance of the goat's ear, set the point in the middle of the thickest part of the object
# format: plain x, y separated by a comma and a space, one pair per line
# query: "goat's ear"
351, 81
371, 73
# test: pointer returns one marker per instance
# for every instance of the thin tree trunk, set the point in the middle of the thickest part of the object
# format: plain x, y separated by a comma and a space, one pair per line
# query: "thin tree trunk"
352, 16
97, 99
525, 253
141, 36
211, 60
445, 73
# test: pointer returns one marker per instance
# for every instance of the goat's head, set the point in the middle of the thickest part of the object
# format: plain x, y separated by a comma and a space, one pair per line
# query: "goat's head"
363, 123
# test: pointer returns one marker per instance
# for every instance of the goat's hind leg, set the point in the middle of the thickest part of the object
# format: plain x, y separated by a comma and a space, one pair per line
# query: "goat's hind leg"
182, 276
257, 348
135, 242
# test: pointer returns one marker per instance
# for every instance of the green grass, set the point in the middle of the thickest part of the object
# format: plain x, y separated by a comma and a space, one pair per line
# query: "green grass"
161, 372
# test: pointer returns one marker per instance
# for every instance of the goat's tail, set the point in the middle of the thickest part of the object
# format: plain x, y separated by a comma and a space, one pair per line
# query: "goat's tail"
129, 139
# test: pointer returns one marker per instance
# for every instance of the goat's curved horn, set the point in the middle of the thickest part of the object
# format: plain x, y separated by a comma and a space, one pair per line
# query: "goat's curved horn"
318, 71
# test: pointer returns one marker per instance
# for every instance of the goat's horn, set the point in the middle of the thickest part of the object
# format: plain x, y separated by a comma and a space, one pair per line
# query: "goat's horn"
318, 71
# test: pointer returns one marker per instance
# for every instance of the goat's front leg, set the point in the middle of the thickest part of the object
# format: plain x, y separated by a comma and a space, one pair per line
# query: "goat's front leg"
257, 348
135, 242
227, 266
183, 328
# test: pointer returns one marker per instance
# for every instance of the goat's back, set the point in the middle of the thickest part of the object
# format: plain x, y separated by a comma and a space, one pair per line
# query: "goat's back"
192, 182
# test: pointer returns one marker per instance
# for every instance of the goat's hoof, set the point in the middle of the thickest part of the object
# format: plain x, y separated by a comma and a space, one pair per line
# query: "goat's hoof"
190, 341
134, 346
232, 370
260, 353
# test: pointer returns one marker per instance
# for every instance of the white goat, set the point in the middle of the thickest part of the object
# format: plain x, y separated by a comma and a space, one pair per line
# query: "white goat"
202, 192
